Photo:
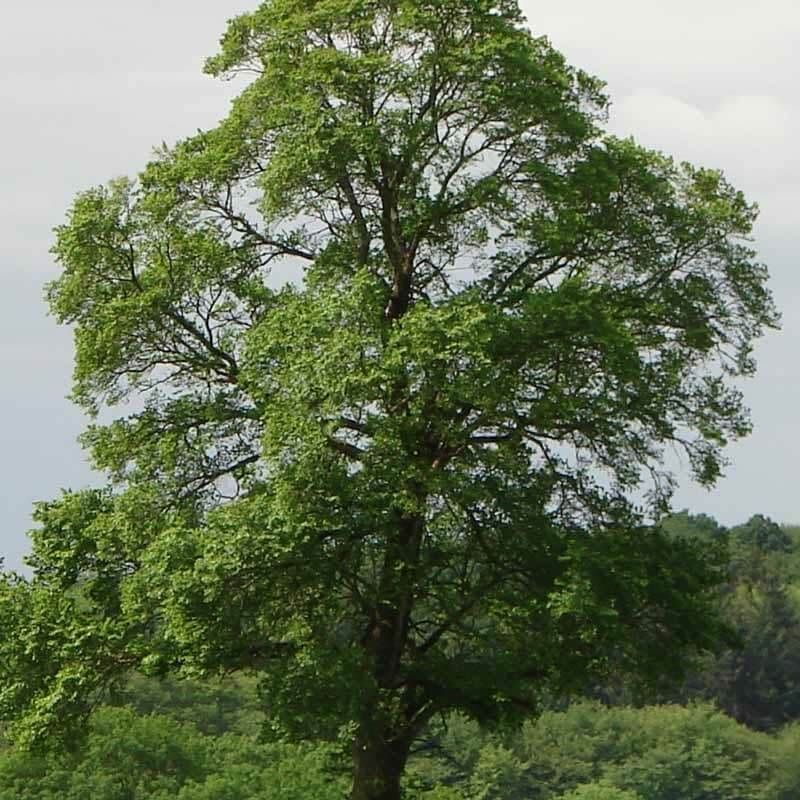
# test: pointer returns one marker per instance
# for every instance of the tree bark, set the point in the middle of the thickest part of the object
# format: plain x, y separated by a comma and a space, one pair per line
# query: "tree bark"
378, 766
385, 731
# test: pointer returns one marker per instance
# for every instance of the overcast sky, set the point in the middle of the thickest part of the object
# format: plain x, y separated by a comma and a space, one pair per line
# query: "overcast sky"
89, 87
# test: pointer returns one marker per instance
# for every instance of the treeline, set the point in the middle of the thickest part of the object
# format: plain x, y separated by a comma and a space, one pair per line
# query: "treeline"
593, 752
731, 732
757, 682
587, 752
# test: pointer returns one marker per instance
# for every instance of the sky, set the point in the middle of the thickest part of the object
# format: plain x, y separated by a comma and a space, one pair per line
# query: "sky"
88, 88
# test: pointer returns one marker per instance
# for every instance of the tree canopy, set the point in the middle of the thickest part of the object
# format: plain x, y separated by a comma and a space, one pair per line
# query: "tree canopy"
408, 479
586, 752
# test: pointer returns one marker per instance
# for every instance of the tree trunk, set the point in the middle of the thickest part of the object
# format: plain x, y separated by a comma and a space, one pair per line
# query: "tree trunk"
378, 765
384, 736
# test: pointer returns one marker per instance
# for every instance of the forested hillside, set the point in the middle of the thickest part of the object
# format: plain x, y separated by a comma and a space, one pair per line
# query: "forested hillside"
757, 683
731, 732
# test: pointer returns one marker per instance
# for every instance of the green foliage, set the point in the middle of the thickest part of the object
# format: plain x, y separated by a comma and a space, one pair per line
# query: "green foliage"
786, 743
585, 753
756, 680
405, 483
599, 791
123, 756
441, 793
757, 683
497, 774
127, 756
213, 707
692, 526
761, 532
654, 753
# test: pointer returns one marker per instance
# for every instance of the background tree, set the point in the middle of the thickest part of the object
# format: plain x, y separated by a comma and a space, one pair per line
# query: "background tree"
762, 534
599, 791
399, 484
754, 681
693, 526
655, 752
125, 755
757, 682
214, 707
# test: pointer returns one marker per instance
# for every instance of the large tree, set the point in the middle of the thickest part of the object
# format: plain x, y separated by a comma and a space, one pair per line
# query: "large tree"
414, 477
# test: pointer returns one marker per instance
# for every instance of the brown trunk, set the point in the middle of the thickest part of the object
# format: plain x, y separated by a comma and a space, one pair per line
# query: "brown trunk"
385, 728
378, 765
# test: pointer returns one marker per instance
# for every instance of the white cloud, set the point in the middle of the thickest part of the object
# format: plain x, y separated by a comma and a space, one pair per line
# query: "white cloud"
751, 136
702, 50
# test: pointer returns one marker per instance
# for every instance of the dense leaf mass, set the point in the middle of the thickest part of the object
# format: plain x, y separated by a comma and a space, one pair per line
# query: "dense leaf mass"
584, 753
400, 482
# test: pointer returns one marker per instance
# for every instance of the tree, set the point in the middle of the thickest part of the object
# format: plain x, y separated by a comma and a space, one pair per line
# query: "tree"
762, 533
588, 750
756, 683
658, 752
693, 526
403, 482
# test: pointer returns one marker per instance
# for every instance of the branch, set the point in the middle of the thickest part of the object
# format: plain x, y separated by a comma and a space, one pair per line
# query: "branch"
351, 424
207, 478
358, 215
345, 448
241, 224
233, 368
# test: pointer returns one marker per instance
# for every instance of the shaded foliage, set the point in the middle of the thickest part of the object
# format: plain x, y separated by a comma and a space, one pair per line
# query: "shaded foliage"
758, 681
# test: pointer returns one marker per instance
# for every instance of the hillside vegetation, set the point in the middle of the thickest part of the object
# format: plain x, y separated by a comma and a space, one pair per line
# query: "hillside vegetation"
731, 732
